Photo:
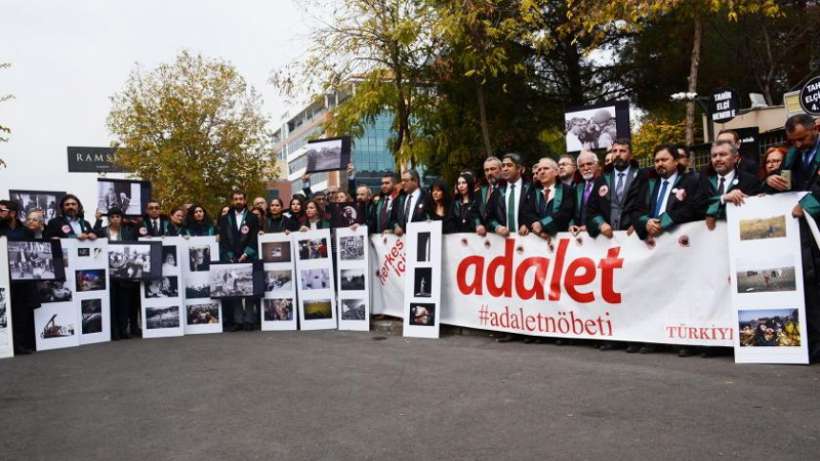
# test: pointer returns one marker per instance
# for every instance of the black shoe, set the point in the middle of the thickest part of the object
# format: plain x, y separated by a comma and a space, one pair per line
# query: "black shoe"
236, 327
22, 351
685, 352
633, 348
135, 333
647, 349
508, 338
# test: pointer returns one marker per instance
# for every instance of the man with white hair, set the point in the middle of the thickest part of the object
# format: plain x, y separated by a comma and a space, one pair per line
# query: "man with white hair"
587, 166
550, 203
492, 174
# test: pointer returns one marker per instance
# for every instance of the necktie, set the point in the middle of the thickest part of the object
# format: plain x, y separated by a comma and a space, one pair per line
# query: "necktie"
407, 217
156, 226
659, 199
619, 188
722, 185
587, 190
383, 215
489, 193
511, 209
546, 199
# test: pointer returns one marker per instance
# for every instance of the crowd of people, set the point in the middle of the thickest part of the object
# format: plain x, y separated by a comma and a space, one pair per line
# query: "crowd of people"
575, 194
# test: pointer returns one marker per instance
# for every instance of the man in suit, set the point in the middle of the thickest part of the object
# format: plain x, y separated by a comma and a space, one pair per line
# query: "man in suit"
492, 175
587, 167
70, 222
723, 182
506, 212
412, 208
566, 169
669, 196
238, 231
551, 204
608, 200
153, 225
381, 217
803, 160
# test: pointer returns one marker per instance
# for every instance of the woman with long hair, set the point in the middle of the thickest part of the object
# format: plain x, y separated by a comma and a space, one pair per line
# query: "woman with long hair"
314, 217
197, 223
277, 221
465, 212
772, 161
438, 201
296, 211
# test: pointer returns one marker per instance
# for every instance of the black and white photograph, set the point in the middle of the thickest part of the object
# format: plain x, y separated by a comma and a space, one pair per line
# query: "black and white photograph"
200, 258
278, 280
278, 309
231, 280
83, 252
422, 314
353, 309
134, 261
54, 291
47, 202
318, 309
423, 247
197, 289
590, 129
90, 280
315, 279
327, 154
166, 287
35, 261
352, 280
344, 214
169, 258
312, 249
351, 248
422, 280
129, 196
59, 325
203, 314
276, 252
766, 273
161, 317
4, 319
92, 316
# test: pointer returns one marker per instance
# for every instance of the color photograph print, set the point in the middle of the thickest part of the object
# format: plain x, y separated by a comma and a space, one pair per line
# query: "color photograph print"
278, 280
422, 314
92, 316
769, 328
89, 280
763, 228
278, 309
55, 291
129, 262
768, 274
351, 248
166, 287
31, 261
45, 202
352, 280
422, 282
353, 309
203, 314
312, 249
199, 258
315, 279
317, 309
276, 252
60, 325
231, 280
162, 317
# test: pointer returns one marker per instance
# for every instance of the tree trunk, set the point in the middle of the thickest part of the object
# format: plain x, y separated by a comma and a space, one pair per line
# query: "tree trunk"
482, 111
694, 65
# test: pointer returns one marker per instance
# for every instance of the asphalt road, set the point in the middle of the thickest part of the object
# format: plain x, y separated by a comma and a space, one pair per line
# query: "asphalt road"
334, 395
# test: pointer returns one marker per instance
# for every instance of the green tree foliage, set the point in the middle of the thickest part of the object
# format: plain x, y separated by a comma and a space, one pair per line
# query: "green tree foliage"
195, 130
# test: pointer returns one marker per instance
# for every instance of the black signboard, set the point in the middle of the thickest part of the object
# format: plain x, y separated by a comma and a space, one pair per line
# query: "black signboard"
92, 160
724, 105
810, 96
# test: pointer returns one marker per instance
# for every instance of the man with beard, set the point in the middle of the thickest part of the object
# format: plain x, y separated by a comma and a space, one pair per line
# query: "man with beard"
24, 296
153, 224
724, 183
412, 207
238, 231
566, 169
70, 222
587, 166
605, 210
381, 219
803, 160
506, 212
492, 174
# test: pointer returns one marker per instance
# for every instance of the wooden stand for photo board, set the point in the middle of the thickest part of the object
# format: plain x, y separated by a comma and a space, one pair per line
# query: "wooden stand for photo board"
274, 312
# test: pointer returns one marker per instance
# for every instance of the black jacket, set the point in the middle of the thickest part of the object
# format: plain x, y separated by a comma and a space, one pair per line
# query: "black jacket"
686, 203
600, 204
746, 182
417, 214
497, 207
462, 217
233, 242
554, 215
59, 228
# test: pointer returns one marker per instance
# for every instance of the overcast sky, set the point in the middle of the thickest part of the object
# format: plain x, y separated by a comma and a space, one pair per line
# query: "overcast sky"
69, 57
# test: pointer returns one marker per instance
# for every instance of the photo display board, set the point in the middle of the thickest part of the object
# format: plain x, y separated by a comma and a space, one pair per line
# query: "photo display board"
6, 334
135, 261
89, 263
278, 308
352, 258
37, 200
130, 196
36, 260
422, 281
767, 280
202, 314
161, 298
314, 275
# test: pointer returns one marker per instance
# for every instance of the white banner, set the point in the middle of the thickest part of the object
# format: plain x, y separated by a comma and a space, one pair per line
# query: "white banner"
314, 274
767, 281
161, 299
352, 260
387, 259
202, 314
675, 291
422, 284
278, 304
6, 336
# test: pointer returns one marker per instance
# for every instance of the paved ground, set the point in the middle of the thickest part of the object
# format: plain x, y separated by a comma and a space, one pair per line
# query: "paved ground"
333, 395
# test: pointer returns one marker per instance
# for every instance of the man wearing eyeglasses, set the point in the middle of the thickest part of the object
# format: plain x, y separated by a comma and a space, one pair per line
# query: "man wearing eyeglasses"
153, 224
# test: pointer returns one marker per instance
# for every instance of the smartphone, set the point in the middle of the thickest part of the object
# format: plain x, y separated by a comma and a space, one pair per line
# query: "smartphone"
787, 175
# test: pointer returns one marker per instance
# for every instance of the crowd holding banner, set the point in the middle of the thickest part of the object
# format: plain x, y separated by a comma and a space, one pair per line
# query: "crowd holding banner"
554, 224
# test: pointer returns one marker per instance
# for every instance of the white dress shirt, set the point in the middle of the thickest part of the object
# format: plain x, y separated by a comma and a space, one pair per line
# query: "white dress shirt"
516, 199
239, 215
669, 188
727, 183
414, 198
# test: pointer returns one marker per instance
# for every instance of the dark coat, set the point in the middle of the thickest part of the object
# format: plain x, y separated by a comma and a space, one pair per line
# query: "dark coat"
748, 183
418, 214
59, 228
462, 217
146, 229
234, 242
497, 207
554, 216
691, 206
382, 214
603, 207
